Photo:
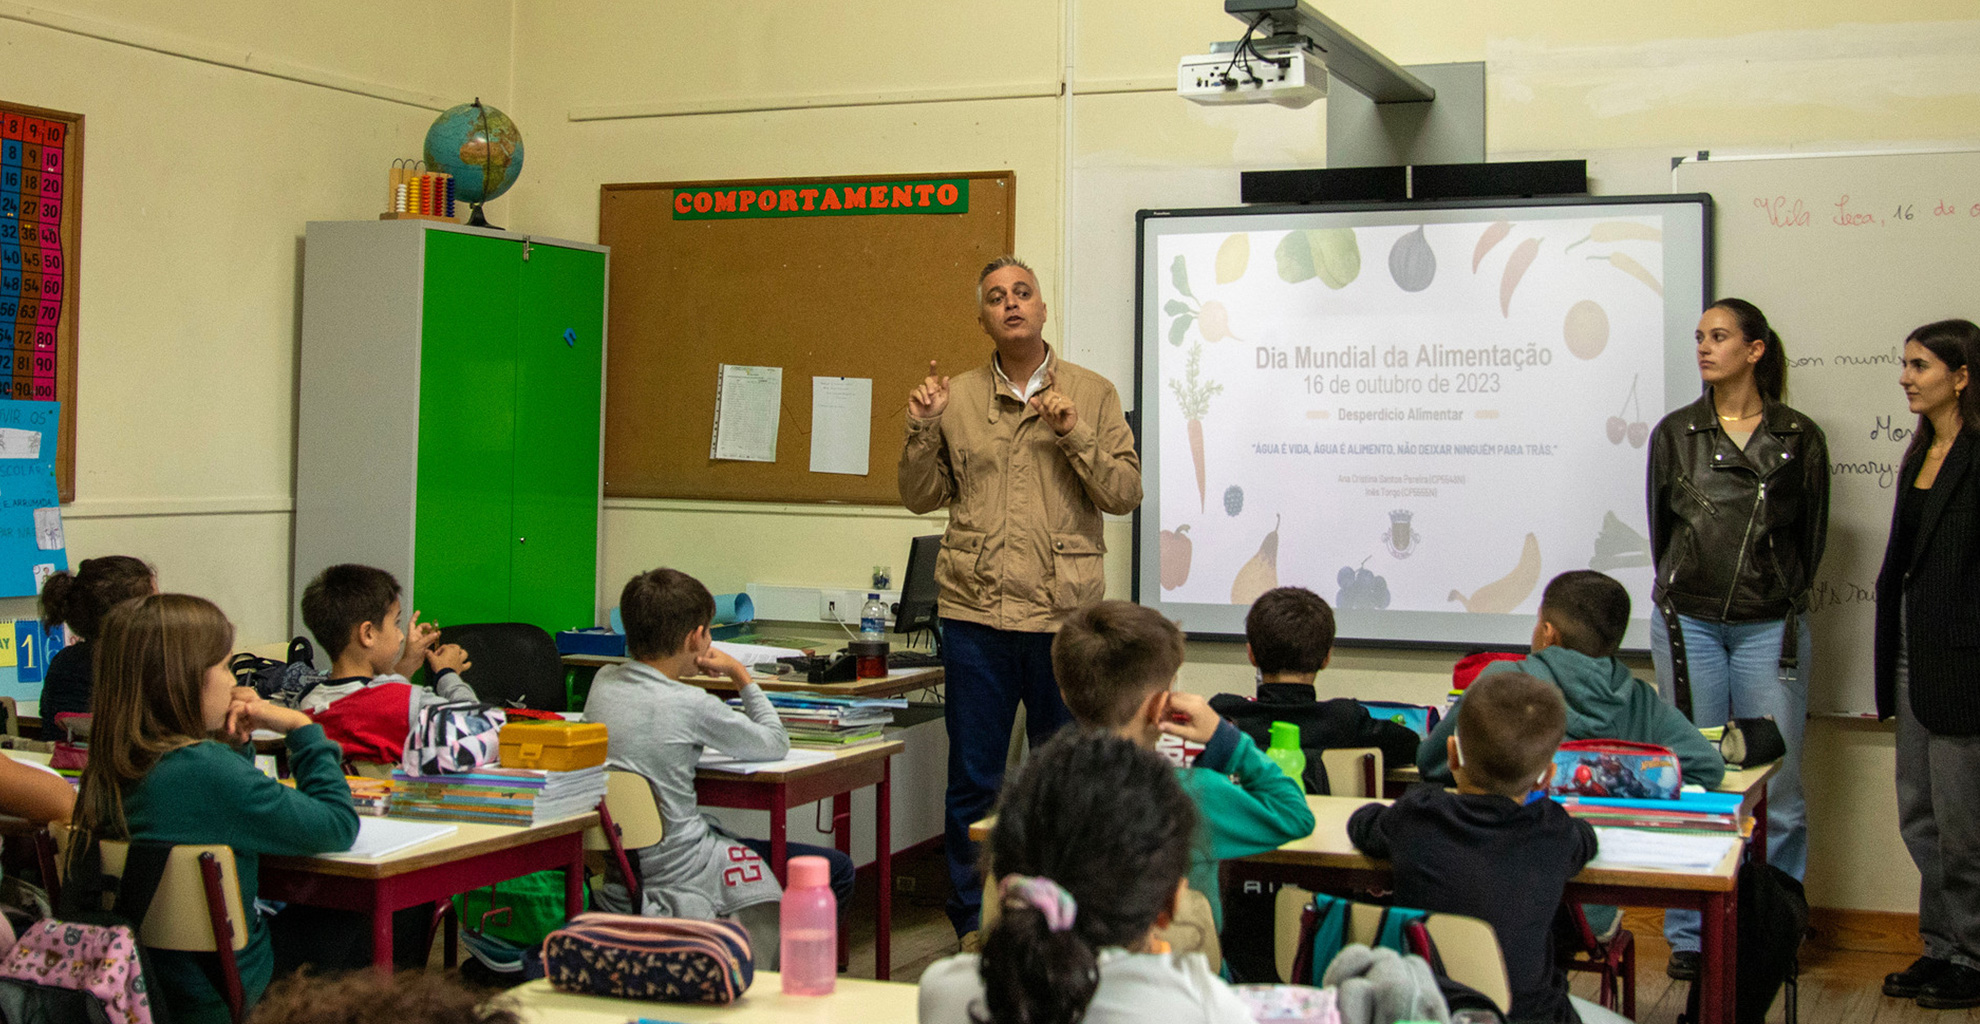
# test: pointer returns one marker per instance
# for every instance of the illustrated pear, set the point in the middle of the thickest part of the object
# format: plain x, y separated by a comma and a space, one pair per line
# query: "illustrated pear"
1261, 572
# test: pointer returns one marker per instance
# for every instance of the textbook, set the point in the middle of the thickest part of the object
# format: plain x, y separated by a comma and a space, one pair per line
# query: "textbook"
507, 796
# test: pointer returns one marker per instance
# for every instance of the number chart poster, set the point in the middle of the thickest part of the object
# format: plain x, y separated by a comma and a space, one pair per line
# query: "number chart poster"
40, 207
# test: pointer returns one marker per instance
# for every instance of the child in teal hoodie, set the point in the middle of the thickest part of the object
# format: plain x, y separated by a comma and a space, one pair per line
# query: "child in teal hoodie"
1582, 618
1116, 663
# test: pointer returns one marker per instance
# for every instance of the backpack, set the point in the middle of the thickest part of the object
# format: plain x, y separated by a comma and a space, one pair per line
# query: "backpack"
1773, 915
280, 682
86, 964
455, 736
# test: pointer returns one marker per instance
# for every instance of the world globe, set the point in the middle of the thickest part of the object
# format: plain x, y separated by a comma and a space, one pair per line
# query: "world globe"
481, 148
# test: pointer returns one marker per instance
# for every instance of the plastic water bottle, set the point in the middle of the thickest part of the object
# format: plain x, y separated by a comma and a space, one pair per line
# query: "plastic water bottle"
1285, 753
873, 619
808, 950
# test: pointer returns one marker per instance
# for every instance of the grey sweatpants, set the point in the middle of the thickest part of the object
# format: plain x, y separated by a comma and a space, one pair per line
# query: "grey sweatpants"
1938, 791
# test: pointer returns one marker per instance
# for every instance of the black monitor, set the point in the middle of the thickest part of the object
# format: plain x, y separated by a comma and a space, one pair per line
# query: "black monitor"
917, 608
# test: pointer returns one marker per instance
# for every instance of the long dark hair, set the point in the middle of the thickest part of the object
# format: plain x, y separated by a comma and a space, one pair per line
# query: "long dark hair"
1770, 373
1108, 822
151, 663
99, 584
1955, 343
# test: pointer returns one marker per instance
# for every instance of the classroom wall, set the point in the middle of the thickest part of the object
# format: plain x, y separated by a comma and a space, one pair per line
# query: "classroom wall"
213, 132
1626, 88
216, 131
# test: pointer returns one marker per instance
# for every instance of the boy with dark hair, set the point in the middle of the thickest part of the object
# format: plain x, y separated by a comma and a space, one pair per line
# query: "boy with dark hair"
1116, 663
353, 612
1485, 851
658, 726
1582, 618
1289, 636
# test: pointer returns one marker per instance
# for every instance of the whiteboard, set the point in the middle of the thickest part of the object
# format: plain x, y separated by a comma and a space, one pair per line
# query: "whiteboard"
1847, 254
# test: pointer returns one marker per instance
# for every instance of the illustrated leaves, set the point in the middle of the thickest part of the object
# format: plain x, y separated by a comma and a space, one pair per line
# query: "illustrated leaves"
1233, 257
1175, 307
1180, 274
1330, 254
1179, 328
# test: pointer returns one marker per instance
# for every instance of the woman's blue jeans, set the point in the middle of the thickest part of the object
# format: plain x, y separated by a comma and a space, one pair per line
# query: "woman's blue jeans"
1736, 673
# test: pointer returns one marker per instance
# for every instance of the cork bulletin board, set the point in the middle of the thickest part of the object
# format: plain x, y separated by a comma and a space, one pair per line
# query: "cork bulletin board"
41, 175
867, 277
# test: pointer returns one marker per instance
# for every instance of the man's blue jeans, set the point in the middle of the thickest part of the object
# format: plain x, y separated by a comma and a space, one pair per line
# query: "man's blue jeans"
986, 673
1736, 673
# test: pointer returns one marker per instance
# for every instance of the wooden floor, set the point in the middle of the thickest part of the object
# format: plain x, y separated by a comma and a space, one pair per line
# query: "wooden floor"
1836, 985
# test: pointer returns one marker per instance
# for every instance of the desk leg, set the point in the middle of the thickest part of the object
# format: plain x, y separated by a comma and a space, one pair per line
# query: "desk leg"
1757, 850
574, 883
381, 936
1718, 964
883, 863
842, 841
780, 806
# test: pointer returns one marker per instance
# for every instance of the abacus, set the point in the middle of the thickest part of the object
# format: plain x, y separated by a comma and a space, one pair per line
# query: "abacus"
414, 193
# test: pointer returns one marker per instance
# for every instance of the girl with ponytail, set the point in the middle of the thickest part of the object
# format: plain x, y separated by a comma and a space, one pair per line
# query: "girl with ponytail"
80, 599
1090, 850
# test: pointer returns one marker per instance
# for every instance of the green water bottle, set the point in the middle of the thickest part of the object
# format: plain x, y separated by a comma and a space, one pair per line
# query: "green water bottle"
1285, 753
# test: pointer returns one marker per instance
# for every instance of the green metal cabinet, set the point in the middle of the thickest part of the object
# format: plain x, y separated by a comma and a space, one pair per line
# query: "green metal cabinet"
449, 417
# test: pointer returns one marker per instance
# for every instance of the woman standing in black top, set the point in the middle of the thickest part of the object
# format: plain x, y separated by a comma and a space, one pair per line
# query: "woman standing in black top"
1928, 660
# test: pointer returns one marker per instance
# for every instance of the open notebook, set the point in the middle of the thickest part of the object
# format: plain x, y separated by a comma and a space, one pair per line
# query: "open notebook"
378, 837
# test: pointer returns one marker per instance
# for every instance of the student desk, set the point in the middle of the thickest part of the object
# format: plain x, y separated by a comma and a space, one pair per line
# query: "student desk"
474, 855
856, 1001
1327, 857
894, 684
1749, 783
777, 791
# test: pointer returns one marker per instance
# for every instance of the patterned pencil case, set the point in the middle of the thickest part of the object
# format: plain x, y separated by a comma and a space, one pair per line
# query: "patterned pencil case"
1616, 768
651, 958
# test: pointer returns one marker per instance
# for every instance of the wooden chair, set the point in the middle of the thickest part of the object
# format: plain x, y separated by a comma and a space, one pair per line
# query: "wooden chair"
1467, 946
197, 909
628, 819
1354, 771
1614, 960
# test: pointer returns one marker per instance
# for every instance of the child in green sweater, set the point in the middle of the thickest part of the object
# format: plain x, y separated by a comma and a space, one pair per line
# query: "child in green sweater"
1116, 663
170, 762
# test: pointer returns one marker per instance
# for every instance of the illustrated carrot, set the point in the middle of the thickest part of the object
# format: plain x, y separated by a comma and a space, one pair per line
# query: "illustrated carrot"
1516, 265
1196, 455
1633, 269
1194, 394
1493, 236
1622, 231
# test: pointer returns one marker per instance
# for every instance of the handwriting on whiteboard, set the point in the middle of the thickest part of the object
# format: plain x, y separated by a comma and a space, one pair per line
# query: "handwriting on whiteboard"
1885, 473
1794, 212
1834, 593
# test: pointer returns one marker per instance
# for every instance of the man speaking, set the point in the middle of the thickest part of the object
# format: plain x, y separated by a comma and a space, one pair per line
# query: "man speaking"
1026, 451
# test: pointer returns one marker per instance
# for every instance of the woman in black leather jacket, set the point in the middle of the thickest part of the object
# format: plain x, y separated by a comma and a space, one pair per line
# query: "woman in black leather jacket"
1928, 656
1739, 509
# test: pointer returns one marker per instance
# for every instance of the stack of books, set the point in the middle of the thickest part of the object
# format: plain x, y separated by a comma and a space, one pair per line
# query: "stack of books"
370, 796
497, 796
833, 723
1690, 812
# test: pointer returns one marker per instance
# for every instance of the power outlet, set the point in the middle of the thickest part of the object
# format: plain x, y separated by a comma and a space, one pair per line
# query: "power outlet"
903, 883
843, 605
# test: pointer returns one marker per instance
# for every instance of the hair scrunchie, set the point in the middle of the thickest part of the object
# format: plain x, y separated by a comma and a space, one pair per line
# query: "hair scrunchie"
1042, 894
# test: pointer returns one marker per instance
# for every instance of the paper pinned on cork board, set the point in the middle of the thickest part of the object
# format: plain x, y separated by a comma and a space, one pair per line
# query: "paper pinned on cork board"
748, 403
841, 424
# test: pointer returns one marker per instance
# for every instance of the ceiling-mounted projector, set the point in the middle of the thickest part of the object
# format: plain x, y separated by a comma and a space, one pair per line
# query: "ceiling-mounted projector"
1288, 51
1286, 72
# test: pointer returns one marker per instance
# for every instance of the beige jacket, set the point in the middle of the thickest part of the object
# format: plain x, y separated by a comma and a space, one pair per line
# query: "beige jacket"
1023, 546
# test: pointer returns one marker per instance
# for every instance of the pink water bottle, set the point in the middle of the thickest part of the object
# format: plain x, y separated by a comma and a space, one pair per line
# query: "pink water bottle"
808, 954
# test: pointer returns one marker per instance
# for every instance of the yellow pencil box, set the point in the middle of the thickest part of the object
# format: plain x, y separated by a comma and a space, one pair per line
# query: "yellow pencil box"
553, 746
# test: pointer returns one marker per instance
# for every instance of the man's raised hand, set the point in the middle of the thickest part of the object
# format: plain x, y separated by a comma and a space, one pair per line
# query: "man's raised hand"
931, 398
